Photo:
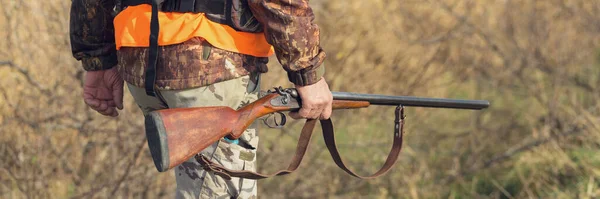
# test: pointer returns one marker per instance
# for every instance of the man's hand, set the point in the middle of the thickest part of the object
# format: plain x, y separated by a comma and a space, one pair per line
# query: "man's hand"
103, 91
316, 101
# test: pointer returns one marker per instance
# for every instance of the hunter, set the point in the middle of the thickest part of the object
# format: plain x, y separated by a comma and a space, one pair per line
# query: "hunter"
193, 53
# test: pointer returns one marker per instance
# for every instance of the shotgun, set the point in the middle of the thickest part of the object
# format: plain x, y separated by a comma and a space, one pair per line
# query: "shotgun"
175, 135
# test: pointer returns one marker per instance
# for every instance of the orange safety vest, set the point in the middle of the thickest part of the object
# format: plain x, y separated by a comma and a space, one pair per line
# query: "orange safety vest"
132, 29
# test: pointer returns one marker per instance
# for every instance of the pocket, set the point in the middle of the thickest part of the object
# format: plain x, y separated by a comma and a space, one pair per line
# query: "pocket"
234, 156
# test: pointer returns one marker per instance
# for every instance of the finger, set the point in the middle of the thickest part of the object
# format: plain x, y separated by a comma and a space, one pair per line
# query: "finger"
326, 114
106, 112
113, 112
92, 103
103, 107
295, 115
304, 112
109, 112
315, 113
118, 94
300, 114
111, 103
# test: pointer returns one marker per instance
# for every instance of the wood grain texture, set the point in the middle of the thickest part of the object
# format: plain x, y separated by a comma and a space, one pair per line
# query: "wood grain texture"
345, 104
252, 111
191, 130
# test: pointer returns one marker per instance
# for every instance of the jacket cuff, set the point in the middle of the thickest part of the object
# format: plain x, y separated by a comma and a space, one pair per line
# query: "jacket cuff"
307, 77
100, 63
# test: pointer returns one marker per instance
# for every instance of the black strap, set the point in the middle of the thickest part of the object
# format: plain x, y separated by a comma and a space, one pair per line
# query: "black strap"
153, 51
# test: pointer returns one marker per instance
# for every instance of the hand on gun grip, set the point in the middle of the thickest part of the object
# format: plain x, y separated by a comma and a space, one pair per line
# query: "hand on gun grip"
103, 91
316, 101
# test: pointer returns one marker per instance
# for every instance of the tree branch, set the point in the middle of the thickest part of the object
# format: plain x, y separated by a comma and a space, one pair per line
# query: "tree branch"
134, 162
27, 75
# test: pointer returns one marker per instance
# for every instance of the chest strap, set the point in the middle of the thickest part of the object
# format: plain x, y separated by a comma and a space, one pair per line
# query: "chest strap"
150, 76
304, 141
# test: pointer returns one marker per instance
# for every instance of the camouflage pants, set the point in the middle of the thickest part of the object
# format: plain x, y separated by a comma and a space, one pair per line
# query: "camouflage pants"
192, 180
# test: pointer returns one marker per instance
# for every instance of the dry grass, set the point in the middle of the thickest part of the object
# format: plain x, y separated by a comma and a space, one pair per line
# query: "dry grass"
538, 62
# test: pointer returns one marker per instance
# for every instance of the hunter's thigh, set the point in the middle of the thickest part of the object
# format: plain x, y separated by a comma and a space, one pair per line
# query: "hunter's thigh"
145, 102
192, 180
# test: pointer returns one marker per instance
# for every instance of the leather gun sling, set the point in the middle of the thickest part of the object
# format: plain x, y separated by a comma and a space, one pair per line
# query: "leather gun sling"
392, 156
304, 141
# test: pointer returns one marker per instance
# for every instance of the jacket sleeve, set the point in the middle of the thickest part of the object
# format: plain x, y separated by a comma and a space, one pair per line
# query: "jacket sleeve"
289, 27
92, 33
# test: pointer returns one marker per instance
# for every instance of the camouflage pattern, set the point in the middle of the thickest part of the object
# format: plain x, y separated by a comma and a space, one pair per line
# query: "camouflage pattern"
92, 34
192, 180
289, 28
193, 63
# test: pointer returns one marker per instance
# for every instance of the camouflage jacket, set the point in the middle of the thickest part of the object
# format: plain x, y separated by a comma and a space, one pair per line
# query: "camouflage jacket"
290, 29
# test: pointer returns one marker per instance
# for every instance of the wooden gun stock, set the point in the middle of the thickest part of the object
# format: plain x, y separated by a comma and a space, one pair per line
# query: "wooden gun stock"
176, 135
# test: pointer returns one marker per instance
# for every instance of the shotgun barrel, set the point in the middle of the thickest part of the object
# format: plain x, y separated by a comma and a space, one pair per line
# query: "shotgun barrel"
412, 101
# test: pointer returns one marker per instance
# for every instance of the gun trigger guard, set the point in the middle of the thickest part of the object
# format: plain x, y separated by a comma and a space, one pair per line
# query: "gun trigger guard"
277, 125
283, 119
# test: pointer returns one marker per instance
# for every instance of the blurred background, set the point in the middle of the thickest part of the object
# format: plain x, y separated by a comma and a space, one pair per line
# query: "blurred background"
537, 62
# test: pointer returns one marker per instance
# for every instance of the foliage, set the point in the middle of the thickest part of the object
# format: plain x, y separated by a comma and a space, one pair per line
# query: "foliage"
538, 62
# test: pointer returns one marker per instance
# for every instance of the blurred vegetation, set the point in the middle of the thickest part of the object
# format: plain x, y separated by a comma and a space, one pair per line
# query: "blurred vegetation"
538, 62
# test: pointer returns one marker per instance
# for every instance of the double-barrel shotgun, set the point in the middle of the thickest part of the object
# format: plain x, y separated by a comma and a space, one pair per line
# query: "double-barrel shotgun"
178, 134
